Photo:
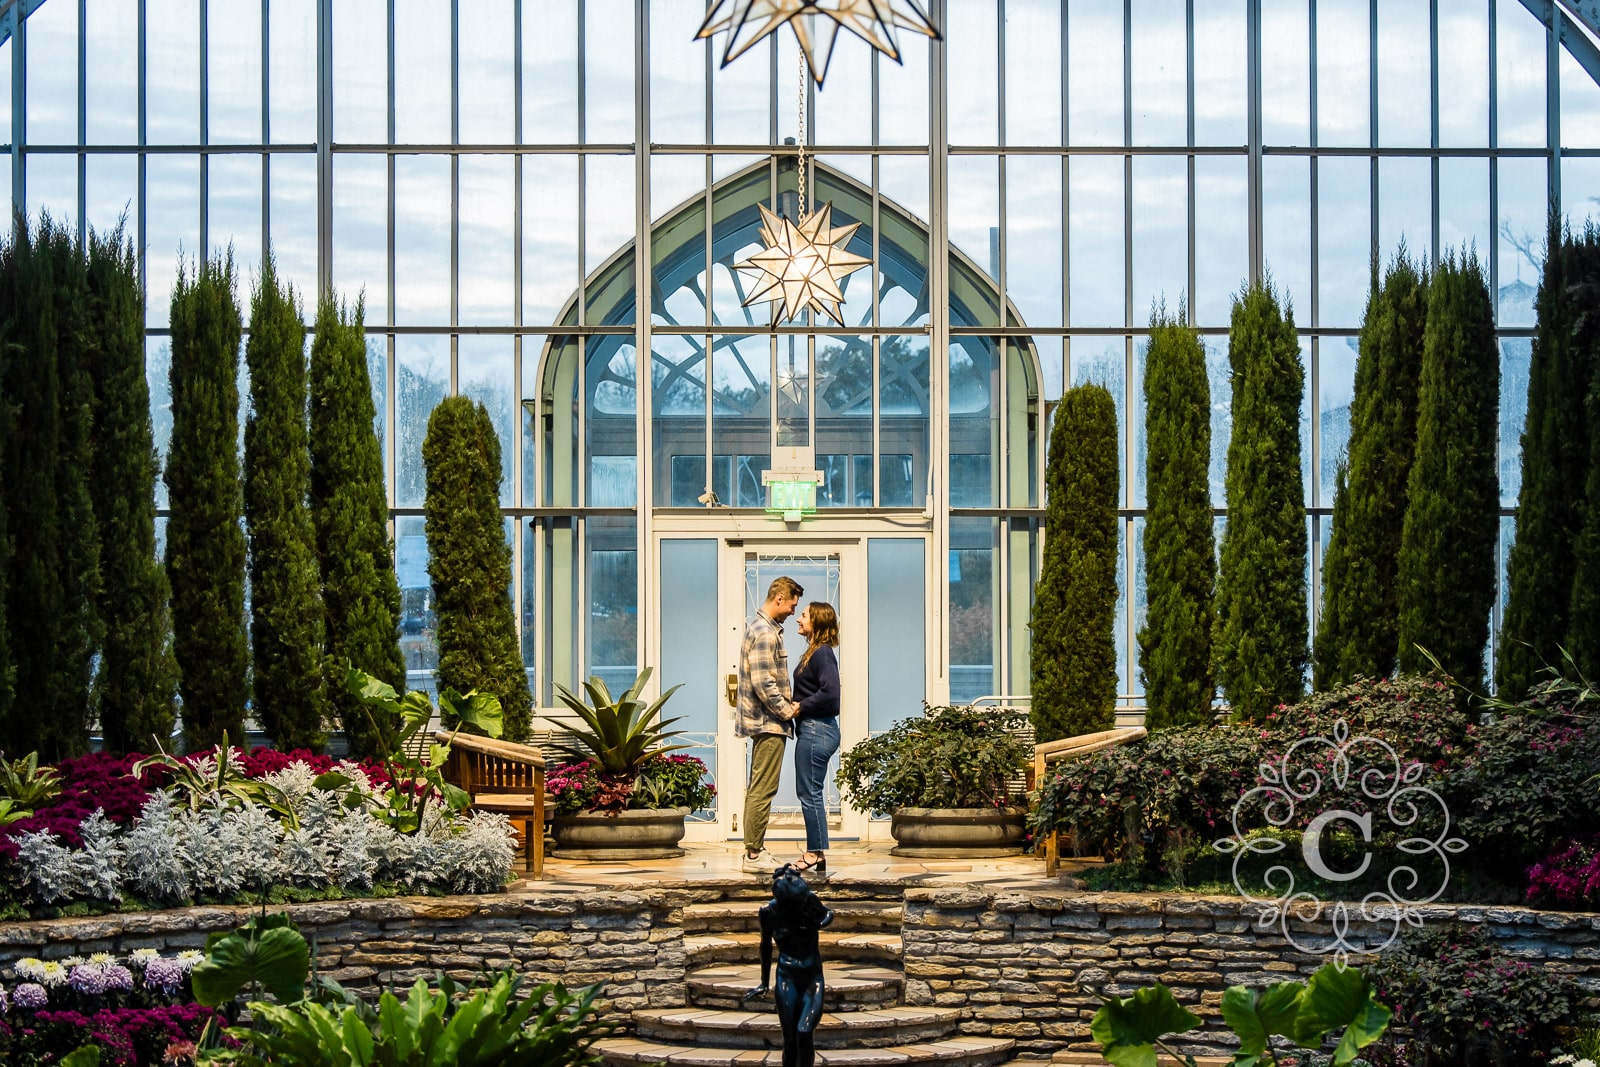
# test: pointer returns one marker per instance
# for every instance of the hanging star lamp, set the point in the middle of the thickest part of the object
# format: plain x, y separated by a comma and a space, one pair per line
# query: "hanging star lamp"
804, 259
816, 24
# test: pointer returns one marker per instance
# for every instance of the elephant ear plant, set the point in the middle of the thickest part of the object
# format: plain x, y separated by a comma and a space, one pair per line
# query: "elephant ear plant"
1337, 1000
622, 734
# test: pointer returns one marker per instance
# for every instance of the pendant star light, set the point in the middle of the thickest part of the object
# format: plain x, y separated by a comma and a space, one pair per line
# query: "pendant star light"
816, 24
805, 259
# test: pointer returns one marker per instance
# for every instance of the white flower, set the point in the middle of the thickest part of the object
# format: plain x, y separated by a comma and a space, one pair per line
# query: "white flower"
31, 969
143, 956
74, 961
189, 958
53, 974
102, 957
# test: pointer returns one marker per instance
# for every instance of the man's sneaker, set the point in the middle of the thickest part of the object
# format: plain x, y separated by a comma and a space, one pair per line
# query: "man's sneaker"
763, 862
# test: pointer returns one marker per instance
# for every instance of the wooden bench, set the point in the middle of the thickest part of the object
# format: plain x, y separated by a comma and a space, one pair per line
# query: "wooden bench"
1069, 748
503, 777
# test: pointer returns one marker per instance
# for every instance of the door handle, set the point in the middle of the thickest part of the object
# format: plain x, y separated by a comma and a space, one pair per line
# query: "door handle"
733, 690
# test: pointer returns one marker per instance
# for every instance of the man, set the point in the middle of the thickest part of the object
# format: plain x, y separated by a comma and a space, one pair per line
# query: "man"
765, 711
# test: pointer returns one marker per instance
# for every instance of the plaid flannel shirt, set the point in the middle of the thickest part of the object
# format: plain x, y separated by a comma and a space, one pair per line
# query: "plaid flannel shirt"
763, 680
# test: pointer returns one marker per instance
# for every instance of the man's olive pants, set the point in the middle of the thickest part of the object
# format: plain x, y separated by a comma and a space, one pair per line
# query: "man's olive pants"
766, 766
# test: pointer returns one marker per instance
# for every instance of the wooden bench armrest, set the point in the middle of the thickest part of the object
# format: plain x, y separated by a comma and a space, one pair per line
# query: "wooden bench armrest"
506, 750
1066, 748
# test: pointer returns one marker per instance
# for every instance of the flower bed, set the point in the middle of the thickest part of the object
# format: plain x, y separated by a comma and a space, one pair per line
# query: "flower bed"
664, 781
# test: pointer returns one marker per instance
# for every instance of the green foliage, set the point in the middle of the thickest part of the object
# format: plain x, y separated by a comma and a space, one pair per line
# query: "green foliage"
1356, 631
1446, 570
450, 1027
673, 782
1337, 1000
1179, 539
138, 676
949, 757
217, 781
621, 734
1456, 995
1555, 458
350, 513
86, 1056
205, 540
286, 626
267, 953
1259, 640
26, 783
470, 562
1583, 628
1073, 651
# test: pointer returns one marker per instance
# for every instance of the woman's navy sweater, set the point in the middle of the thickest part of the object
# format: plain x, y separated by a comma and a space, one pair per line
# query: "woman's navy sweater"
816, 685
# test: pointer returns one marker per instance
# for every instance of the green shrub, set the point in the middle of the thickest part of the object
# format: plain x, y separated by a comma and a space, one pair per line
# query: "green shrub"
948, 757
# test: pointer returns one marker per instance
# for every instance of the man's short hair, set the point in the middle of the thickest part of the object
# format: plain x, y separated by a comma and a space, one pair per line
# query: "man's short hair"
784, 586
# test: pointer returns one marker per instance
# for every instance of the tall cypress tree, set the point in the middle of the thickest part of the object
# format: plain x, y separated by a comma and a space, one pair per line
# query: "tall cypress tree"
1583, 634
470, 562
1179, 540
1356, 633
205, 541
1555, 462
65, 707
8, 331
286, 627
35, 598
1446, 571
1261, 628
350, 514
1074, 652
137, 678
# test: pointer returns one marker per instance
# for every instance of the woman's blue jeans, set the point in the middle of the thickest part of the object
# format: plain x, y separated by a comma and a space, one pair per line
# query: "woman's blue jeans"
816, 742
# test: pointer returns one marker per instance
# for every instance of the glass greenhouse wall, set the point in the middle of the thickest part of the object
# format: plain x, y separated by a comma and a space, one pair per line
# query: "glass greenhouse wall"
507, 183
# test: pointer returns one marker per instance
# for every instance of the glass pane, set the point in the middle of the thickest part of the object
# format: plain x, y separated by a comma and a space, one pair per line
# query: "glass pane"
856, 307
741, 419
897, 590
1286, 227
1220, 82
52, 75
609, 220
52, 185
1344, 72
1405, 208
418, 624
293, 214
1464, 108
974, 423
549, 235
1094, 73
422, 51
488, 257
487, 61
740, 93
1219, 380
611, 450
1519, 77
421, 240
613, 600
1221, 237
528, 409
677, 74
111, 190
1286, 80
1033, 72
1524, 200
903, 93
234, 184
172, 201
1104, 361
550, 73
1580, 104
360, 72
1403, 78
1160, 234
558, 391
843, 114
158, 378
1344, 239
562, 604
111, 29
292, 68
1133, 685
1464, 207
421, 380
972, 615
485, 370
172, 71
1516, 355
1336, 377
378, 383
1580, 189
1096, 242
233, 50
903, 421
844, 420
678, 384
5, 90
792, 391
688, 628
608, 72
529, 627
1160, 72
1033, 238
972, 39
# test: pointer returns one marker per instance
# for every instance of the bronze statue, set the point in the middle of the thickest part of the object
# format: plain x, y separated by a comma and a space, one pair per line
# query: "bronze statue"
792, 918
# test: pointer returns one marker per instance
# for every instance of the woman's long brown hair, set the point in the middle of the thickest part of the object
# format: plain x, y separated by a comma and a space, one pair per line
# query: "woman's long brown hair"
824, 628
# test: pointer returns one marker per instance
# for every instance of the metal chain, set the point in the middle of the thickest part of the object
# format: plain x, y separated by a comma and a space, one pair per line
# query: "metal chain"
801, 210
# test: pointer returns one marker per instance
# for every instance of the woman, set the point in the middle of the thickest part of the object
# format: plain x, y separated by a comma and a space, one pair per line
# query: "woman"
816, 690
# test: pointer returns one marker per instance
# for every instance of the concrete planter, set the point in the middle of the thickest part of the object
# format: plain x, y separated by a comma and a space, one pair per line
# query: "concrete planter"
642, 834
958, 833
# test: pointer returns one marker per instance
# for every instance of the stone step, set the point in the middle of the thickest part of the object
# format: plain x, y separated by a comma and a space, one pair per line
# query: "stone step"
850, 986
735, 916
879, 1027
947, 1052
705, 950
1094, 1059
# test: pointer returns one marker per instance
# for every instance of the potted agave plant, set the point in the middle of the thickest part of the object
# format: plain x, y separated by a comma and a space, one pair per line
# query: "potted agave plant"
623, 794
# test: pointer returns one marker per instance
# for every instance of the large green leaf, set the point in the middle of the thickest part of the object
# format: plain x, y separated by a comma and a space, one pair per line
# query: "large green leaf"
276, 959
86, 1056
1128, 1029
480, 711
1340, 997
1257, 1015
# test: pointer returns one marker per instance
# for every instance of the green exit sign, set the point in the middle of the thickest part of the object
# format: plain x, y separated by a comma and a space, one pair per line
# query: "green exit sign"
792, 498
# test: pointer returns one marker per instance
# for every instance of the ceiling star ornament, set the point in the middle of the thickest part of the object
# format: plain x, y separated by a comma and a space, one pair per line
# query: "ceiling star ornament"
802, 264
816, 24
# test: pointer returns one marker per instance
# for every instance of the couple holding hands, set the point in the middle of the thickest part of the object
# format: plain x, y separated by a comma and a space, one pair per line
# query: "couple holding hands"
770, 711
